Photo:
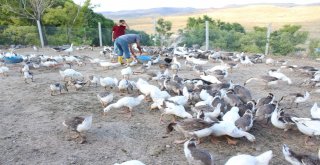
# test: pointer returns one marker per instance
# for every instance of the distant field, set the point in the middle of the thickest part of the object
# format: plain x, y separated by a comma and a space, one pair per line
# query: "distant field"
248, 16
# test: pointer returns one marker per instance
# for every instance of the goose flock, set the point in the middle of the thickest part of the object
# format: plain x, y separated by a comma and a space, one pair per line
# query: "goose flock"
204, 103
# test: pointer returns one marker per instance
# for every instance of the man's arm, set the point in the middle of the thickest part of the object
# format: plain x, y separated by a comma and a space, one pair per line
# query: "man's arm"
112, 36
132, 52
139, 47
127, 26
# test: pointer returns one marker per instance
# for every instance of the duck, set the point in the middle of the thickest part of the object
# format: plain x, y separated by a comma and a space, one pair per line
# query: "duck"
270, 61
131, 162
77, 83
157, 94
207, 112
307, 126
245, 122
299, 98
230, 98
268, 80
198, 69
4, 70
245, 60
126, 85
94, 80
315, 111
195, 155
196, 61
265, 100
232, 115
71, 73
265, 111
281, 120
109, 65
277, 74
28, 75
144, 87
58, 87
175, 110
181, 100
108, 82
262, 159
24, 68
70, 49
210, 78
298, 158
79, 125
191, 128
129, 102
105, 98
224, 128
156, 60
143, 68
250, 105
172, 86
126, 72
242, 92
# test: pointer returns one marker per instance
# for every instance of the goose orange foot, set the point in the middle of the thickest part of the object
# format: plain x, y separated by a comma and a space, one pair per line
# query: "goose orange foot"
231, 142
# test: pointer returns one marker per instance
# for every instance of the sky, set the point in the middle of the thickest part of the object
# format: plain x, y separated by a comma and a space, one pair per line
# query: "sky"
114, 5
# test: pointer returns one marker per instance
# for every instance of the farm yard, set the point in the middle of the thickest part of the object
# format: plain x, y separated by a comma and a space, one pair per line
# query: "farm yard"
32, 131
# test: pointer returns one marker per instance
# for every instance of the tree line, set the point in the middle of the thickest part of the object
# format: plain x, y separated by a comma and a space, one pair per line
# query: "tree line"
64, 22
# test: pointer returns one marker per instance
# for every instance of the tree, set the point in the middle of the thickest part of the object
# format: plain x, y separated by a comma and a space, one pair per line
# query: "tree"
163, 29
286, 39
30, 9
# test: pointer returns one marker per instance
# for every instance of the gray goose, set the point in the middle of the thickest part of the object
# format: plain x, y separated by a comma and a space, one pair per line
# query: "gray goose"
195, 155
231, 98
243, 93
297, 159
79, 125
265, 100
245, 122
265, 111
58, 87
251, 105
191, 128
268, 80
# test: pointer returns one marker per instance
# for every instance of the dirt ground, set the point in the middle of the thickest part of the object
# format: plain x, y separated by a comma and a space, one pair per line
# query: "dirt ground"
31, 130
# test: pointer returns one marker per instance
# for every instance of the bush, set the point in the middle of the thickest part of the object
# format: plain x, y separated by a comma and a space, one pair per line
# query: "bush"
24, 35
313, 45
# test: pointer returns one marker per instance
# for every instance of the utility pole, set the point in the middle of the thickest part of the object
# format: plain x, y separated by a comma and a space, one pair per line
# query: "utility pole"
40, 33
268, 40
207, 35
100, 34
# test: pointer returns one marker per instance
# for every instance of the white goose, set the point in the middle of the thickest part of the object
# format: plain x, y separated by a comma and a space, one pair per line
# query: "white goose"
262, 159
307, 126
4, 70
129, 102
79, 125
126, 72
315, 111
181, 100
174, 109
227, 128
232, 115
277, 74
70, 73
109, 65
70, 49
131, 162
108, 82
105, 98
210, 78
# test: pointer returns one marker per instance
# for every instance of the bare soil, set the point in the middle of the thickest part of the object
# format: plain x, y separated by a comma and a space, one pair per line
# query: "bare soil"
31, 130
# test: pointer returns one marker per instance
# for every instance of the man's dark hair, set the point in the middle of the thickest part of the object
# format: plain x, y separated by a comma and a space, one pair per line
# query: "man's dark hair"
121, 20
